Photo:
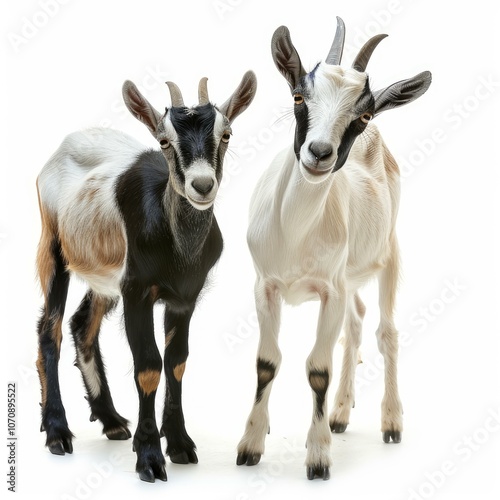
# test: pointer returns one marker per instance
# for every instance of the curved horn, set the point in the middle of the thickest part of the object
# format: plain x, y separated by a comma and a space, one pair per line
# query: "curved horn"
335, 54
366, 52
175, 95
203, 91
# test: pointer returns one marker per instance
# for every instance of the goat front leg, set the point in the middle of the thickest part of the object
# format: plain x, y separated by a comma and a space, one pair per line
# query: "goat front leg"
268, 303
180, 447
319, 373
138, 312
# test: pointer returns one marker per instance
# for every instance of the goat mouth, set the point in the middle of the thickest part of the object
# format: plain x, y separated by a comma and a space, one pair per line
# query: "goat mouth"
316, 172
200, 204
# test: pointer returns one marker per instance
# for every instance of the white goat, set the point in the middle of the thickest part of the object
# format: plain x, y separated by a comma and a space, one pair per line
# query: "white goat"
318, 230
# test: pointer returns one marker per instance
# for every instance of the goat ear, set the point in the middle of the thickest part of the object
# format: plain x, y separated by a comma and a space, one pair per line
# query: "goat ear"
286, 57
241, 97
140, 107
401, 93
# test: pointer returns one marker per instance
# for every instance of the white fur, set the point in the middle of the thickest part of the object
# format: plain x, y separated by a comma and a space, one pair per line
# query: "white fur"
90, 374
323, 237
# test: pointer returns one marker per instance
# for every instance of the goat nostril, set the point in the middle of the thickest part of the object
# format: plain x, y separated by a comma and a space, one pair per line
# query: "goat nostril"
203, 185
320, 150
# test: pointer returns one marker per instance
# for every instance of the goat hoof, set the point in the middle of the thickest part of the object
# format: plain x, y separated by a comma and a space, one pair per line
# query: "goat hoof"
92, 417
60, 447
321, 471
248, 458
184, 457
394, 435
118, 434
338, 427
149, 475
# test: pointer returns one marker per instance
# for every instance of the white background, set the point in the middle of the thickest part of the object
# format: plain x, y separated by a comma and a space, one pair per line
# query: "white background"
64, 70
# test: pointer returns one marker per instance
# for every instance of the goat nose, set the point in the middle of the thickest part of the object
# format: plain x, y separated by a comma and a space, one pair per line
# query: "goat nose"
320, 149
203, 185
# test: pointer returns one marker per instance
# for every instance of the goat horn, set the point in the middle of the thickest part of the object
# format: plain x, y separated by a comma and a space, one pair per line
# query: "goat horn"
203, 91
175, 95
335, 54
365, 53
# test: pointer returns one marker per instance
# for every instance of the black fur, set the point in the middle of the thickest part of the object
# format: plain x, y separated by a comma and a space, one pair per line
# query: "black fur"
170, 265
319, 381
364, 104
265, 374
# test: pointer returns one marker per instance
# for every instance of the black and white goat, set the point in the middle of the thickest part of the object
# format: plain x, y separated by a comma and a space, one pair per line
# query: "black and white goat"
139, 224
322, 223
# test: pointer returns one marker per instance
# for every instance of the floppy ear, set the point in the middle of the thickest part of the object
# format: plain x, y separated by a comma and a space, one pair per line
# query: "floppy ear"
401, 93
241, 97
140, 107
286, 57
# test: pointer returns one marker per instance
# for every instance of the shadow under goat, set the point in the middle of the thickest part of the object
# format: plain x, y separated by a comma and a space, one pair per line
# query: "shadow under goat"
322, 223
139, 224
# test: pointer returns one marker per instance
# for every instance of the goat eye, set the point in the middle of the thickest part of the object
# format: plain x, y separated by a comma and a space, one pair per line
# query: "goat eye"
298, 98
225, 137
366, 117
164, 144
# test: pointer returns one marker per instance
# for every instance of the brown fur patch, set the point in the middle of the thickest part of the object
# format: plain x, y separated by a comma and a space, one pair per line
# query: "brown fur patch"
169, 336
149, 381
91, 232
45, 262
154, 293
319, 381
97, 248
57, 332
99, 309
41, 374
179, 371
264, 375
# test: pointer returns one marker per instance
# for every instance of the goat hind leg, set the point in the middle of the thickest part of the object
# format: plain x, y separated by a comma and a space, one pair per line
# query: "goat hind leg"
387, 339
344, 398
85, 325
54, 423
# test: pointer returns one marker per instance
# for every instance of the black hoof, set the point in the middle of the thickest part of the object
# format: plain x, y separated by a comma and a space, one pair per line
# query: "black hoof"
394, 435
248, 458
118, 434
149, 474
184, 457
338, 427
320, 471
60, 447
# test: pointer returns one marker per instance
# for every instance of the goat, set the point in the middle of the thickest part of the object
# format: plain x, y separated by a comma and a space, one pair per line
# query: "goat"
322, 223
136, 223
